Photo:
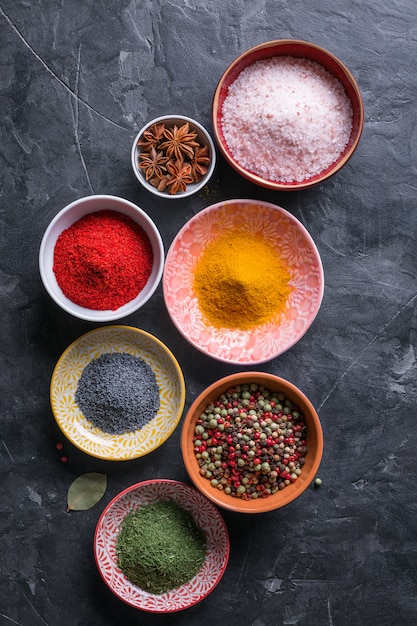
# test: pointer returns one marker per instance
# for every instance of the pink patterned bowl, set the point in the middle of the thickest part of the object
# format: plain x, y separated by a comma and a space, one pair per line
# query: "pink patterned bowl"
296, 249
206, 516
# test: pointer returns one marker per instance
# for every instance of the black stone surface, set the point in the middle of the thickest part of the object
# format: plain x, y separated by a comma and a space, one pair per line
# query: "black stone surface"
78, 80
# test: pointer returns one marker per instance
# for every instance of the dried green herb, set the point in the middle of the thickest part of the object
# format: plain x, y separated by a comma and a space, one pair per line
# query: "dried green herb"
160, 547
86, 491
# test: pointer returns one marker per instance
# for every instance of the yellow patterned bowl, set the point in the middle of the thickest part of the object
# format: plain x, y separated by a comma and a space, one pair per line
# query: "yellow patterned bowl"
82, 433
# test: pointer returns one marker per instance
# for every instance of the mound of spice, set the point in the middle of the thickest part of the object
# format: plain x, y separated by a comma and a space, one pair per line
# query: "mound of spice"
160, 547
172, 157
250, 442
240, 281
286, 119
118, 393
103, 260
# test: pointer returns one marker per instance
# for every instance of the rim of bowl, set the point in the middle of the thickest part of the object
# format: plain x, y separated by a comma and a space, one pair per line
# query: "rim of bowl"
194, 187
287, 495
138, 331
165, 481
48, 277
289, 47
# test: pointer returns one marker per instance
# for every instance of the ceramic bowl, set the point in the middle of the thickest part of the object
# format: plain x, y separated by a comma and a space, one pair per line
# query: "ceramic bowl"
295, 247
71, 214
203, 138
206, 516
80, 431
314, 443
297, 49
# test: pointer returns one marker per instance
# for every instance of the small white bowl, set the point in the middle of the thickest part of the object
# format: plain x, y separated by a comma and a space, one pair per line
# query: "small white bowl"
204, 139
71, 214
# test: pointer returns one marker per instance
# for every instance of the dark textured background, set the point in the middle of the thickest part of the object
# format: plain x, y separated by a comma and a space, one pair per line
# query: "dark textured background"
78, 80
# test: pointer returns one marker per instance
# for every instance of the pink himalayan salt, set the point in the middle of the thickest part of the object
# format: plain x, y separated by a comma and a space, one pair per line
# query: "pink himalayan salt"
286, 119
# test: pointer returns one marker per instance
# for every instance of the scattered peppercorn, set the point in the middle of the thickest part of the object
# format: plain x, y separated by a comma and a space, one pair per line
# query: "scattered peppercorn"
59, 445
250, 442
317, 482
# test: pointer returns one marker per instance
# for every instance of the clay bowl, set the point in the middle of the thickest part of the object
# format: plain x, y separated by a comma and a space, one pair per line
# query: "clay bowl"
296, 49
313, 439
66, 218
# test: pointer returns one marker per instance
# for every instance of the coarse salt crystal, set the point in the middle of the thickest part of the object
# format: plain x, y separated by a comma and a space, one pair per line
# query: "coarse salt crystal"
286, 119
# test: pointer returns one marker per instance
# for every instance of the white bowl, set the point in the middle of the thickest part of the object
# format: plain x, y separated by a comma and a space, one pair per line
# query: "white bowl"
71, 214
204, 139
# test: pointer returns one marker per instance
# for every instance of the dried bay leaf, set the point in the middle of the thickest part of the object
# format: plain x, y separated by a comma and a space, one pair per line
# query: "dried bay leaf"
86, 491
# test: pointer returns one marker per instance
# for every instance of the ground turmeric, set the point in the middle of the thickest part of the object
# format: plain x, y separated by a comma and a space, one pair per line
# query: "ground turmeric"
240, 281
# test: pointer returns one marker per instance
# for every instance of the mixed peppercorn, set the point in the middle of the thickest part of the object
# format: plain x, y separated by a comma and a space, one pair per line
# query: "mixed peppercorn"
250, 442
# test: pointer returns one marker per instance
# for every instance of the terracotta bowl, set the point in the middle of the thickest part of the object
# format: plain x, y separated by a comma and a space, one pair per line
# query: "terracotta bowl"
206, 516
203, 137
314, 443
71, 214
297, 49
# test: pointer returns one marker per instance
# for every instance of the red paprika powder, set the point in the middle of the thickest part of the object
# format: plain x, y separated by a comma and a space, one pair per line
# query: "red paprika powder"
103, 260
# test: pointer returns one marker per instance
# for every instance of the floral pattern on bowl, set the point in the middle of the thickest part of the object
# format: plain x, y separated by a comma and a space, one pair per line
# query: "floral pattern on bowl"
83, 433
205, 514
295, 247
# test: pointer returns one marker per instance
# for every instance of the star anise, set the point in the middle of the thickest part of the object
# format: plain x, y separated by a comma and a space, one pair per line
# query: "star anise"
179, 176
180, 142
159, 183
153, 163
200, 162
151, 136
